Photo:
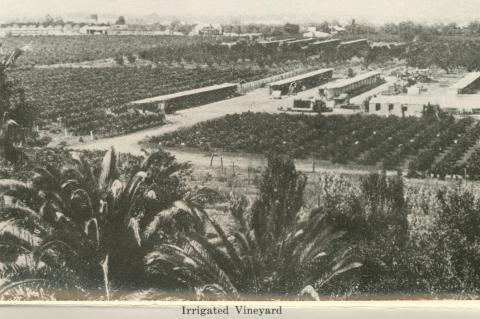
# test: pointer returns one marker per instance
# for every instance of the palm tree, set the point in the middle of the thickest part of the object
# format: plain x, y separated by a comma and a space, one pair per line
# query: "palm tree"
34, 250
275, 249
108, 223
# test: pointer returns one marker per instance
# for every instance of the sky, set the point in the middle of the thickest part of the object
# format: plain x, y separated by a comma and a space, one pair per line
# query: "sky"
375, 11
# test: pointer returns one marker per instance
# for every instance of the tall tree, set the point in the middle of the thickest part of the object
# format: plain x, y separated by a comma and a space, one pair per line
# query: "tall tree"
120, 20
290, 28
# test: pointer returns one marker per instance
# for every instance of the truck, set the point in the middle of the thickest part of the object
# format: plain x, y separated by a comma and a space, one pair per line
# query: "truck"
309, 105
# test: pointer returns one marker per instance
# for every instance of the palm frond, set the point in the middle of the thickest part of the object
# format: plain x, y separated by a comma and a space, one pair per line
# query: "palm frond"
44, 178
310, 292
12, 285
13, 228
108, 169
17, 189
19, 211
339, 271
116, 189
134, 226
70, 185
228, 245
208, 290
218, 256
92, 228
211, 269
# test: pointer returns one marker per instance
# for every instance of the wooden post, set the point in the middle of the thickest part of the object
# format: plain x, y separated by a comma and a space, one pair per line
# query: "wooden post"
66, 132
313, 165
233, 167
91, 135
211, 160
221, 163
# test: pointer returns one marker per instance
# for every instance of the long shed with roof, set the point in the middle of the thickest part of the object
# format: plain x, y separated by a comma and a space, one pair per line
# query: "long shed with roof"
349, 85
469, 84
302, 82
190, 98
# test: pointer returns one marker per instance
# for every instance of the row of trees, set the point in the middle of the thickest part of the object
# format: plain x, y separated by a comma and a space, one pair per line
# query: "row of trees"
408, 30
48, 20
446, 54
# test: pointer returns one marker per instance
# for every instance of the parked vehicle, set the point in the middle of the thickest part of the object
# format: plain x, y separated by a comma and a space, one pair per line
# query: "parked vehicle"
309, 105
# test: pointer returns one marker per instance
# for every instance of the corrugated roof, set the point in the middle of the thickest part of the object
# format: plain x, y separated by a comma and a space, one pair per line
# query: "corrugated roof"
184, 93
300, 77
344, 82
466, 81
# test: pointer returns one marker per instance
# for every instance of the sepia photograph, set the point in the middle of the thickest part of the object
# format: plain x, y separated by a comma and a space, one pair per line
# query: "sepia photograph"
231, 151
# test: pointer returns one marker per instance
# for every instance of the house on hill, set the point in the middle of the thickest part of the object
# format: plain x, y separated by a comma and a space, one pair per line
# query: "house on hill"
207, 30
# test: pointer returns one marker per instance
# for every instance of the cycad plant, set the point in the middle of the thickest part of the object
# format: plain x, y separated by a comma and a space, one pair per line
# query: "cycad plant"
276, 249
93, 227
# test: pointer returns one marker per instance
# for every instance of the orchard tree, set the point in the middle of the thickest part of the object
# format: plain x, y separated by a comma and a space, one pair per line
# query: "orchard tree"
120, 20
291, 28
